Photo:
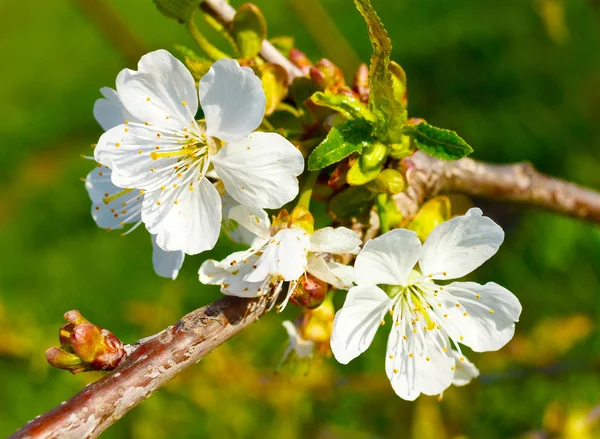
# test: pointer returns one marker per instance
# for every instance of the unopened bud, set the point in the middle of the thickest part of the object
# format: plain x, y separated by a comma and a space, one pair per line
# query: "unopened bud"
85, 346
327, 76
361, 82
389, 181
310, 292
373, 156
300, 60
302, 218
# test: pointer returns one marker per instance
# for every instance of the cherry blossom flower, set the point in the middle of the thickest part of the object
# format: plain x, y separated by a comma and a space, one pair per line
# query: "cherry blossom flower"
280, 254
114, 207
427, 315
165, 152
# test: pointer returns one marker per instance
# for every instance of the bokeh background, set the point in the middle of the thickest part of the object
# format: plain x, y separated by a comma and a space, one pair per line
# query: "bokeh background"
519, 79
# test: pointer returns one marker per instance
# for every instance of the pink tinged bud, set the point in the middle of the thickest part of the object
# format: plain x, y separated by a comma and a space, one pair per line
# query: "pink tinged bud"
361, 82
310, 292
300, 60
85, 346
327, 76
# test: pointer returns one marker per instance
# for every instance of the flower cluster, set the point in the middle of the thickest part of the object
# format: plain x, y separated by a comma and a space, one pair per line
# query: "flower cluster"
191, 160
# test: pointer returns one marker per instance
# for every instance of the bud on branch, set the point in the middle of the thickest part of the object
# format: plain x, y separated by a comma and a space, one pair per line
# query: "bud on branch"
85, 346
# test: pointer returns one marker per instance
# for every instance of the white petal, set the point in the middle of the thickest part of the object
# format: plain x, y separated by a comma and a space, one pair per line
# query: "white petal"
232, 99
337, 241
161, 92
457, 247
229, 274
303, 348
125, 209
232, 228
479, 329
128, 150
254, 220
166, 264
109, 111
418, 364
260, 170
388, 259
355, 325
465, 371
341, 276
192, 225
284, 257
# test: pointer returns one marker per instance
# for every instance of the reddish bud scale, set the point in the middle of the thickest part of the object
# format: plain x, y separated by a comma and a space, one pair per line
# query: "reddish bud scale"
310, 292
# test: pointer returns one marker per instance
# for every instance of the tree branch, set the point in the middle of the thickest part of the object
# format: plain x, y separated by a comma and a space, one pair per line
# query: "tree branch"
151, 364
519, 183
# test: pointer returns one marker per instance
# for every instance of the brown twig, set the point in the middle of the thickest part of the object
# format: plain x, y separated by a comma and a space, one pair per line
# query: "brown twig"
518, 182
154, 361
151, 364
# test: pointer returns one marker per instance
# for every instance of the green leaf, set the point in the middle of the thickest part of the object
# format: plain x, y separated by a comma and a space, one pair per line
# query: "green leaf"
249, 29
341, 141
348, 106
180, 10
440, 143
389, 113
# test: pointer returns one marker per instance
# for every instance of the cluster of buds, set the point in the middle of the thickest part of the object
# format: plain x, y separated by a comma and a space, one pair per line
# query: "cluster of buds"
85, 346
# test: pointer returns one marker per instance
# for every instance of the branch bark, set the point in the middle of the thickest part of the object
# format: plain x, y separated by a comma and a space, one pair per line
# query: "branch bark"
518, 182
153, 362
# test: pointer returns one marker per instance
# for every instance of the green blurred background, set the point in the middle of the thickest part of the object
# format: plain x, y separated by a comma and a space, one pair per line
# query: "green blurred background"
520, 80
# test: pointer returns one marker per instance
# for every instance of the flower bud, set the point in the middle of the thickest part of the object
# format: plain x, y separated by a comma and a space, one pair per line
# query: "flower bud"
310, 292
326, 75
85, 346
302, 218
300, 60
373, 156
389, 181
361, 82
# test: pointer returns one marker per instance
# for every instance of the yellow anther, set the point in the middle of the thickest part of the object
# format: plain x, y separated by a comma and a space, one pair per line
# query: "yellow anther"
184, 103
462, 358
395, 370
427, 358
148, 99
391, 357
410, 355
491, 311
382, 322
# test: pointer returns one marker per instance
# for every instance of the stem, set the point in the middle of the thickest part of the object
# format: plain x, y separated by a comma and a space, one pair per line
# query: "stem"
307, 189
201, 40
384, 223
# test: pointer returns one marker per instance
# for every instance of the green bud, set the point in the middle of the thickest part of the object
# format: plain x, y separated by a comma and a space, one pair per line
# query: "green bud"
388, 180
373, 156
274, 80
399, 83
357, 176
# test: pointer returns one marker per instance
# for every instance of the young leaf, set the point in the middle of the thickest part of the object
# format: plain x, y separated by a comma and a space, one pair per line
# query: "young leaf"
341, 141
196, 64
349, 107
357, 176
249, 29
389, 113
440, 143
180, 10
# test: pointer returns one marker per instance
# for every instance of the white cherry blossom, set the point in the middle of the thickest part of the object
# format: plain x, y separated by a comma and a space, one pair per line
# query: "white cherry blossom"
114, 207
280, 255
301, 347
429, 320
165, 152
